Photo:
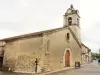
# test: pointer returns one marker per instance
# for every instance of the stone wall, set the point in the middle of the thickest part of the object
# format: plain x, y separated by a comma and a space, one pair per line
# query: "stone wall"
57, 47
21, 54
50, 50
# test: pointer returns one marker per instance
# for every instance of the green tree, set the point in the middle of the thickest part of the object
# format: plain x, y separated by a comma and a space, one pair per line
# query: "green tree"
96, 55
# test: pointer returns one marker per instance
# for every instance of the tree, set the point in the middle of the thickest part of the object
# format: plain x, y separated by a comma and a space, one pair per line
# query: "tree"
95, 55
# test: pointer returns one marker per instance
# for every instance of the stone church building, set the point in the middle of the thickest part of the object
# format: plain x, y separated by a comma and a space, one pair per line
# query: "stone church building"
47, 50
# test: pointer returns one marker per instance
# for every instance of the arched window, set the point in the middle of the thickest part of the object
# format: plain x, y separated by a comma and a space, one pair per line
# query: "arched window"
68, 36
69, 21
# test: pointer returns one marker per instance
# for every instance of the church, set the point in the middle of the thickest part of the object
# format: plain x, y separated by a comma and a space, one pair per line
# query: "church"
45, 50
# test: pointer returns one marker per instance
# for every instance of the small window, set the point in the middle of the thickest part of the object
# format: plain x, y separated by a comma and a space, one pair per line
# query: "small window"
69, 20
68, 36
48, 45
77, 21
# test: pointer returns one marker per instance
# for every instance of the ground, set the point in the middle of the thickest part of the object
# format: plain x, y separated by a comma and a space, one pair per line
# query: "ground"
89, 69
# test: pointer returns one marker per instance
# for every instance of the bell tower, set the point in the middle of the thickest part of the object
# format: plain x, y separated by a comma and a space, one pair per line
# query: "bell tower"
72, 20
71, 17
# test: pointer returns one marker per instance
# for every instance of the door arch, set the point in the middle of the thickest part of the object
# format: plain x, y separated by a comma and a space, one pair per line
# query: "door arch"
67, 58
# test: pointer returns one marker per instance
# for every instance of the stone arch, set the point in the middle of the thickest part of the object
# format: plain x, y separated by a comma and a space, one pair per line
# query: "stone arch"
69, 20
67, 63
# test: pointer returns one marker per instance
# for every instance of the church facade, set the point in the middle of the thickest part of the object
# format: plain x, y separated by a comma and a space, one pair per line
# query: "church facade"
46, 50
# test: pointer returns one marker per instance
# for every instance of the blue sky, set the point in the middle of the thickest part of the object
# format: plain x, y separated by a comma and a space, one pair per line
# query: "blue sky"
25, 16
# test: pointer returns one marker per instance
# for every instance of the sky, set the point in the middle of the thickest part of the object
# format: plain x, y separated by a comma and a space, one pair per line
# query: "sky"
26, 16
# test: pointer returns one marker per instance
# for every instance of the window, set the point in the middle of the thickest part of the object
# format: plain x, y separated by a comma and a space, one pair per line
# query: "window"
77, 21
48, 46
68, 36
69, 21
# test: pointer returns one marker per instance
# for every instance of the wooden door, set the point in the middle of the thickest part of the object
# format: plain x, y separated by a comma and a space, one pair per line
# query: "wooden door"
67, 58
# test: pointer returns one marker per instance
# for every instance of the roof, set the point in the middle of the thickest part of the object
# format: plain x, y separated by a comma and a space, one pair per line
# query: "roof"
30, 34
41, 33
74, 37
86, 46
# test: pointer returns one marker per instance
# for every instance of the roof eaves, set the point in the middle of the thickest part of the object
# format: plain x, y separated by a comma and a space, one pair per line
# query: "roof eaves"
31, 34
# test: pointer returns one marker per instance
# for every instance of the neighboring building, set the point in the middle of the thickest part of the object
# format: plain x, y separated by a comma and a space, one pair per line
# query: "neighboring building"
53, 49
86, 54
2, 44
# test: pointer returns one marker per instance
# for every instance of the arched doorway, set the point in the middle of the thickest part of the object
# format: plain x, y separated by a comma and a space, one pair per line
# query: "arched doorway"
67, 58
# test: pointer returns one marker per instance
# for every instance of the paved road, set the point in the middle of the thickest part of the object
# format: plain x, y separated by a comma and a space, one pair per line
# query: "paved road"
89, 69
